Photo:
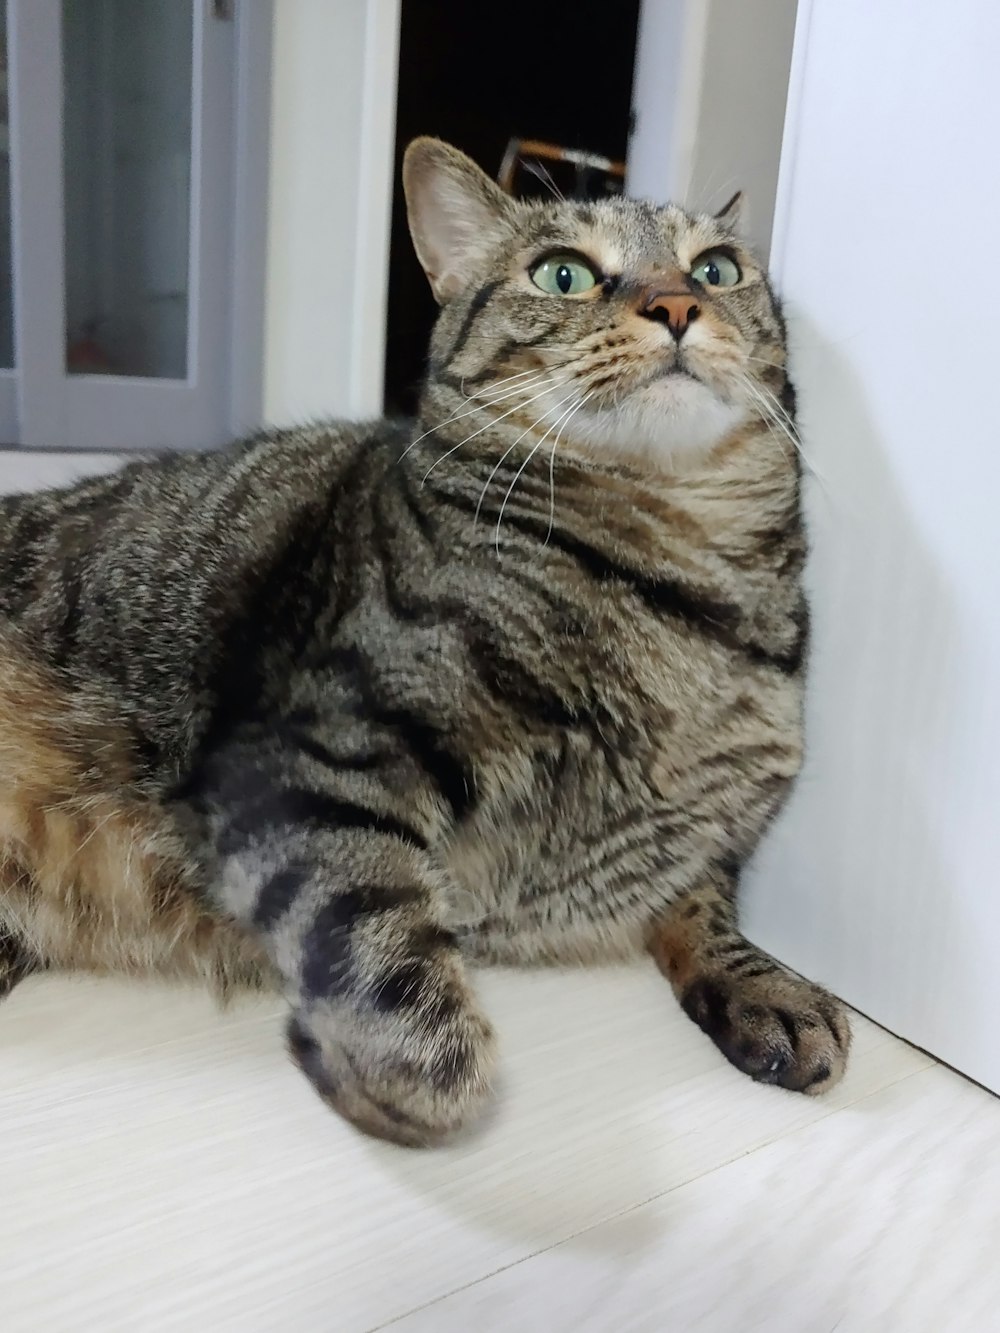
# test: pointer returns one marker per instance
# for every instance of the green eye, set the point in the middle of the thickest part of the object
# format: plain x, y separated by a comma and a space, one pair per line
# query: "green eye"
716, 269
563, 275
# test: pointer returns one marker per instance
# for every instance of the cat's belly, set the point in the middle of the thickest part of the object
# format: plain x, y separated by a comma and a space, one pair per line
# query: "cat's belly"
595, 904
582, 872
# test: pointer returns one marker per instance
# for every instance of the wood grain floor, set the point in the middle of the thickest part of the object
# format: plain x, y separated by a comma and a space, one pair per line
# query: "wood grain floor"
162, 1166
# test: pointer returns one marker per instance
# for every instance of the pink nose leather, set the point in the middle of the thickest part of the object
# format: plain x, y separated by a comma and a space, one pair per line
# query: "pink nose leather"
677, 310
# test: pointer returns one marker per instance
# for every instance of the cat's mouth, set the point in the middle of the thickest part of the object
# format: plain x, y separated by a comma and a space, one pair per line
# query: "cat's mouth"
673, 378
679, 372
675, 371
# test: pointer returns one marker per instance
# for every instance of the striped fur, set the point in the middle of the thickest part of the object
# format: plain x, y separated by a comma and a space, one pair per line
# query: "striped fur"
344, 709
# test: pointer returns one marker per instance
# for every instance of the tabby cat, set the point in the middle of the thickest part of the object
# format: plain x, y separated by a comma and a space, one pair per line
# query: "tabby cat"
344, 709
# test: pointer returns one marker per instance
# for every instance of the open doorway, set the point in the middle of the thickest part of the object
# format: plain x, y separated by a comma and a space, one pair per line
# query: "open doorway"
690, 93
477, 77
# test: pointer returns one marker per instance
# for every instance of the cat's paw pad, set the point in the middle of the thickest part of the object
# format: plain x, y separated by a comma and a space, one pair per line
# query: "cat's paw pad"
777, 1028
420, 1094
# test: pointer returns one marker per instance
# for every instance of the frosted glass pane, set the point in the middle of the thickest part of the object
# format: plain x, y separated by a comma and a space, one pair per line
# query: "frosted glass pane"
6, 270
127, 178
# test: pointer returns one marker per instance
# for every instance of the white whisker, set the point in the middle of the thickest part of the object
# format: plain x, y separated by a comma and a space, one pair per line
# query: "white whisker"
497, 384
541, 172
552, 464
550, 384
766, 361
479, 407
517, 475
775, 413
767, 414
507, 452
770, 408
494, 384
773, 399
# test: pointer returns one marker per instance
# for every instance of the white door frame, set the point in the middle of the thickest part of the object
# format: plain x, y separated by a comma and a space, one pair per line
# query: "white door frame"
670, 53
333, 118
709, 98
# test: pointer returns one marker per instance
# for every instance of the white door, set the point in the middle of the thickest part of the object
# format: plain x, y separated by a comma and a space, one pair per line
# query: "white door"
882, 878
138, 276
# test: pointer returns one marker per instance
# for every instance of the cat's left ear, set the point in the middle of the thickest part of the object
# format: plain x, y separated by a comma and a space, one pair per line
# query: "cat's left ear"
733, 214
456, 213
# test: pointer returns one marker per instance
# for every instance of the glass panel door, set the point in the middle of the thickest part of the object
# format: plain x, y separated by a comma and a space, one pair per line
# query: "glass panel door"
6, 265
9, 426
138, 219
127, 115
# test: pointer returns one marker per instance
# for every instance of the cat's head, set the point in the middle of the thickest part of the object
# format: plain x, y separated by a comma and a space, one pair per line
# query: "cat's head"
625, 329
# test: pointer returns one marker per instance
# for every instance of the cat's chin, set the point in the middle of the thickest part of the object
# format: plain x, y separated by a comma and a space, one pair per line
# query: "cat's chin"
670, 422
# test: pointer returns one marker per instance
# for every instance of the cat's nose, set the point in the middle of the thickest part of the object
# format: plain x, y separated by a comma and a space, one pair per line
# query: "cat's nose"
678, 310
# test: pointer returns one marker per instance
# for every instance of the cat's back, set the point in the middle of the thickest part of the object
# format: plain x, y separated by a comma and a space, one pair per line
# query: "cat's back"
158, 529
173, 503
152, 581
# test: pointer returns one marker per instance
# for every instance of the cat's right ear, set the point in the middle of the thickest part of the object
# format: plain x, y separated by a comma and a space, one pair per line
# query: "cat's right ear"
733, 215
455, 211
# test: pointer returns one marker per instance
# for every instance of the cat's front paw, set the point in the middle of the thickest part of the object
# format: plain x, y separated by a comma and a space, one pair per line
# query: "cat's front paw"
776, 1027
413, 1088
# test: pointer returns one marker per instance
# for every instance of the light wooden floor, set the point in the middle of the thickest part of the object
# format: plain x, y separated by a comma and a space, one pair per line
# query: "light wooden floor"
163, 1167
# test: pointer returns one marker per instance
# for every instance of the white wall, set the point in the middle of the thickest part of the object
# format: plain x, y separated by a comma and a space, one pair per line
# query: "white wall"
332, 126
34, 469
711, 82
882, 879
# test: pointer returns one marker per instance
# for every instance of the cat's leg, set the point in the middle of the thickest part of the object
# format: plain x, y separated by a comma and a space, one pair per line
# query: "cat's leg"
768, 1022
18, 959
16, 962
334, 876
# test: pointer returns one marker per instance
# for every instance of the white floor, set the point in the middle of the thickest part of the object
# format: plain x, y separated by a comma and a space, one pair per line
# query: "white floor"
162, 1166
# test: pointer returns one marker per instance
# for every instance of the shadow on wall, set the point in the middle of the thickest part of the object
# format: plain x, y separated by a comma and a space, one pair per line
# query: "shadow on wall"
855, 886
